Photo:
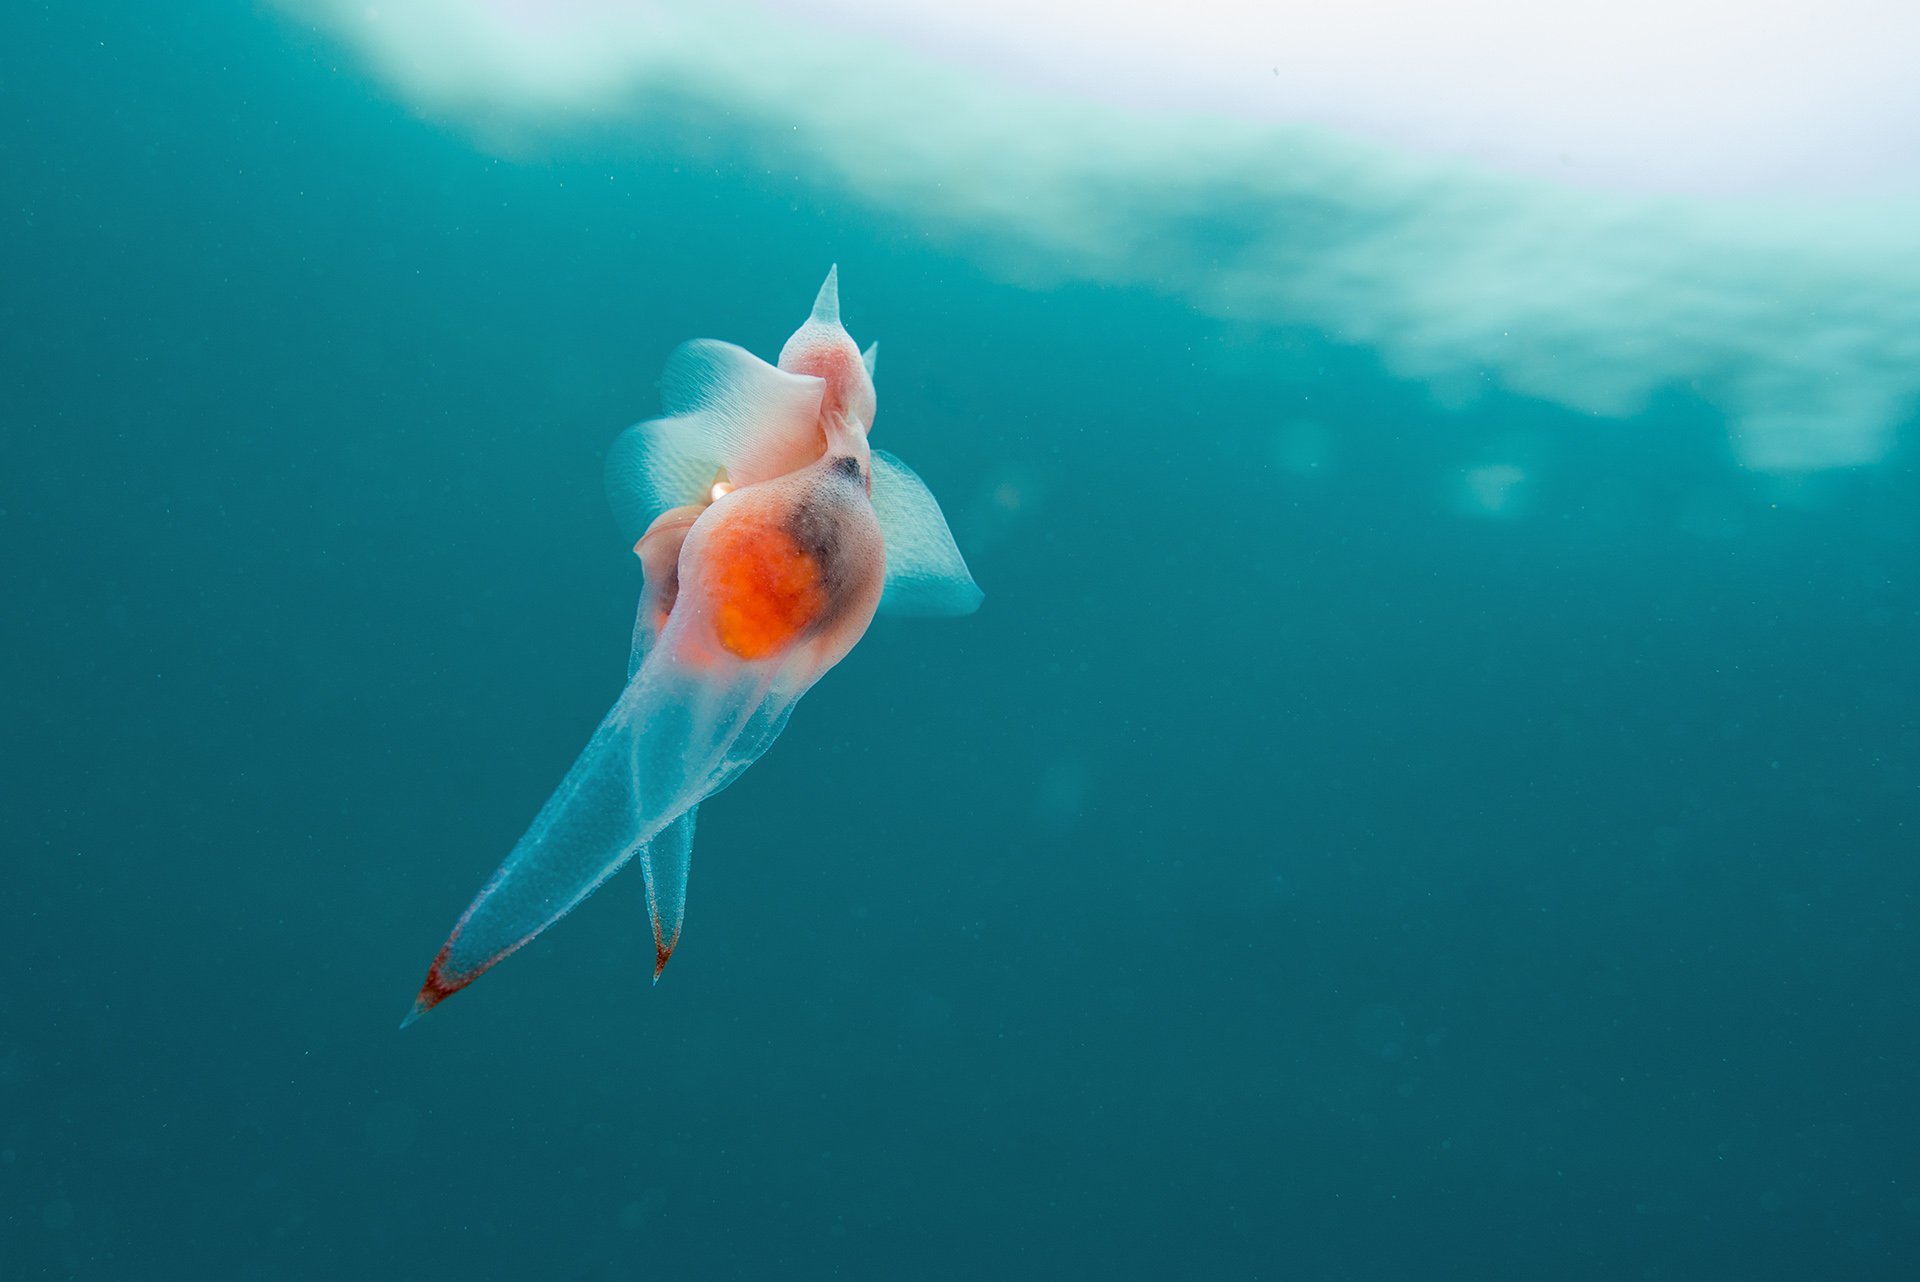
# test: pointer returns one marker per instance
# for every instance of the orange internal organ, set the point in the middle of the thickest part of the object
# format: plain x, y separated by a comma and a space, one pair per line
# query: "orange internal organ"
766, 588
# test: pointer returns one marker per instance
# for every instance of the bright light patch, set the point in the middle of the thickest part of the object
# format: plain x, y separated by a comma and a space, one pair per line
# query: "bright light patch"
1707, 95
1590, 204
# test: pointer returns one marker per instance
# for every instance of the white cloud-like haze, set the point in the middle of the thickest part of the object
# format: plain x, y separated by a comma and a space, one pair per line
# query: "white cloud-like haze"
1589, 208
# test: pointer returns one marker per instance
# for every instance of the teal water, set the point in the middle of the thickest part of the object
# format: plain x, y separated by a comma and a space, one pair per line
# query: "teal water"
1295, 870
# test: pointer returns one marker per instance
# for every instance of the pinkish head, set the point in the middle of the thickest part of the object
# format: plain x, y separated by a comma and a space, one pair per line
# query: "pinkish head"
823, 348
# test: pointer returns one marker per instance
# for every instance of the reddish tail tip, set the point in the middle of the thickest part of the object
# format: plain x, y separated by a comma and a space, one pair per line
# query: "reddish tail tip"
663, 946
436, 990
660, 954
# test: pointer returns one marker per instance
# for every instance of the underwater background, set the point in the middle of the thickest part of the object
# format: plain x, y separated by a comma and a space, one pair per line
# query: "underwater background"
1383, 822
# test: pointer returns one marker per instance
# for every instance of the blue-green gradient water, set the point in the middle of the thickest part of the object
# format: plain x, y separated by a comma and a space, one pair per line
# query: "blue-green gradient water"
1298, 868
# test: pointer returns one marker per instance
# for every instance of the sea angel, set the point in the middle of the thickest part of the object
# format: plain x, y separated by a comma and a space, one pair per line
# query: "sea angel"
769, 533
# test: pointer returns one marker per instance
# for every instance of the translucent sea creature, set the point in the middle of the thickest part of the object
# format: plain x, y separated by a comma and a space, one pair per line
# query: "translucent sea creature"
769, 533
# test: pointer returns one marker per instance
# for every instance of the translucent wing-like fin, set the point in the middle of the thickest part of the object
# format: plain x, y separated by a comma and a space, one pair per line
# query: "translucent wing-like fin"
726, 410
664, 863
761, 421
654, 466
871, 358
655, 756
926, 575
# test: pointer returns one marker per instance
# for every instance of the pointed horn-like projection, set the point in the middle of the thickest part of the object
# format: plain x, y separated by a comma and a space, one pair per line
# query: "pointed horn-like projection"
826, 305
871, 357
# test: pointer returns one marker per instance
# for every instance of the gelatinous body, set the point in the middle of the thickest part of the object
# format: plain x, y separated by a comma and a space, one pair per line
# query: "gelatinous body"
769, 534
